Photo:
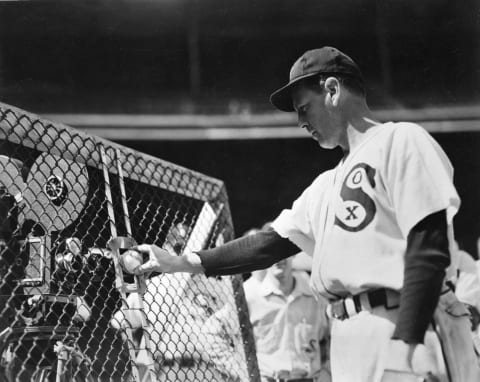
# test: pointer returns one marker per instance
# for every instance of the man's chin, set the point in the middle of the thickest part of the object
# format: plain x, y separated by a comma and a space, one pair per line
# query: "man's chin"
326, 145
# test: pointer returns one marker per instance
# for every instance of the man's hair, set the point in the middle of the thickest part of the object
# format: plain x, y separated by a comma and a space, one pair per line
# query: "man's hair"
352, 83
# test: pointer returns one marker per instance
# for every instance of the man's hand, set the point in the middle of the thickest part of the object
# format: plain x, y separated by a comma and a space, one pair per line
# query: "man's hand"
416, 359
160, 260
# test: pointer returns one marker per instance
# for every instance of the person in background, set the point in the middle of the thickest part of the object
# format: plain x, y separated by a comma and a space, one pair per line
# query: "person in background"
467, 284
253, 279
290, 326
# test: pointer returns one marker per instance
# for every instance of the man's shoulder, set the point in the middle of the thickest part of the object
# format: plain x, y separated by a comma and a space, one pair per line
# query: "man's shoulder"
405, 130
398, 136
400, 128
317, 187
383, 137
323, 177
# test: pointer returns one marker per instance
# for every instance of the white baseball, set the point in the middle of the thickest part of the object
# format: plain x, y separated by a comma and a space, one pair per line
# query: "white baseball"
131, 260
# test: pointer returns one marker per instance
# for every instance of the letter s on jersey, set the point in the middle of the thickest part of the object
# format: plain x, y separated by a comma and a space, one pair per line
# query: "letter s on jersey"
357, 209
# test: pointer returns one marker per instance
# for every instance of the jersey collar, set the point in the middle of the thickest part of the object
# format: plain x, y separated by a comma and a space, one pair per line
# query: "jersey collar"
301, 287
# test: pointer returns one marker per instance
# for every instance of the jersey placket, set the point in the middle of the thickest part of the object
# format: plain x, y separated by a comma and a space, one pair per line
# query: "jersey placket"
331, 202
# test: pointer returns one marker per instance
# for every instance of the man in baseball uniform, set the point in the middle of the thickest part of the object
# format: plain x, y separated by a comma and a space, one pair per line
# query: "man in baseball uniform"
379, 227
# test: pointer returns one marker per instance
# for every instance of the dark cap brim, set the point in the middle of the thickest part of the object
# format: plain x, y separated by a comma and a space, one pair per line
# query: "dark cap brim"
282, 98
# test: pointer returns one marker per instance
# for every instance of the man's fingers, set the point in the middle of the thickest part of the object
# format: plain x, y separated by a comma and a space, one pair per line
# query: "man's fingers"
140, 270
149, 266
142, 248
154, 262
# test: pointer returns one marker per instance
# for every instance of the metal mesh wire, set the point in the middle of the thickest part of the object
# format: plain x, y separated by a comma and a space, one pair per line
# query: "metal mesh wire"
68, 310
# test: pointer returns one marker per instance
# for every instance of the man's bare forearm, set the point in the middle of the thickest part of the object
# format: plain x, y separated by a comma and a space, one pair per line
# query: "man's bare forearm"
190, 263
160, 260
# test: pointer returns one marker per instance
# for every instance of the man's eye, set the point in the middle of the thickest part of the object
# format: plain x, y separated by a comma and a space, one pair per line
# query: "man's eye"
303, 109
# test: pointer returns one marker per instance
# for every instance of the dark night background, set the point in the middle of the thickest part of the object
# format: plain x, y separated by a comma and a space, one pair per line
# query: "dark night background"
198, 58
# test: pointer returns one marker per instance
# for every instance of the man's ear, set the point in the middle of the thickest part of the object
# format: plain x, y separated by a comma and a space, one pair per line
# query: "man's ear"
332, 87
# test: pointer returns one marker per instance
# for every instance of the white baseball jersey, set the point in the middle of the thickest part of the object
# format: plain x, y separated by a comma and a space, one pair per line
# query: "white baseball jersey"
355, 218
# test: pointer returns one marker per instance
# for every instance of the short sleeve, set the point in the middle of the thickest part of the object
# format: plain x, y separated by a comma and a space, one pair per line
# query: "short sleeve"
294, 224
419, 177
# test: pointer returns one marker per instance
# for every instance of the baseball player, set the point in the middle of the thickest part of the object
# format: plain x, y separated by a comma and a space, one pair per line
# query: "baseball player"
378, 226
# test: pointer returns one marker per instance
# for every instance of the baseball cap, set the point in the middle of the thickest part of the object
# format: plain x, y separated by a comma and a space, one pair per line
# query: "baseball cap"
323, 60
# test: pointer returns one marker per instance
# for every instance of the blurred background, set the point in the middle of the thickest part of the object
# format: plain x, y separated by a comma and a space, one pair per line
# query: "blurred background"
188, 81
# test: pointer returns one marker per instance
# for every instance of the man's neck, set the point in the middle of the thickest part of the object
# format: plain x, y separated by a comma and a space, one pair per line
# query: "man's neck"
360, 120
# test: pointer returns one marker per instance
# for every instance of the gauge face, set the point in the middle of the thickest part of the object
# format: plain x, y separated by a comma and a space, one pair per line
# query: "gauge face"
56, 190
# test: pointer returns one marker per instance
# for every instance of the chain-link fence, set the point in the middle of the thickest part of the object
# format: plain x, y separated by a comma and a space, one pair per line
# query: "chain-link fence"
71, 205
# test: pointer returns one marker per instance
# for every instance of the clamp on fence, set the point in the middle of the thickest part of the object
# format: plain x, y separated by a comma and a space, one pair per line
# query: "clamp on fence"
117, 244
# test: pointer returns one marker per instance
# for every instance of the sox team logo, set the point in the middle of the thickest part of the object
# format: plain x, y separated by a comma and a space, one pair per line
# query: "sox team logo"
357, 209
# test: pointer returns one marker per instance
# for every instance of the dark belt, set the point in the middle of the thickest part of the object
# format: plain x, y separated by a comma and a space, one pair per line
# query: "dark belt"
350, 306
270, 379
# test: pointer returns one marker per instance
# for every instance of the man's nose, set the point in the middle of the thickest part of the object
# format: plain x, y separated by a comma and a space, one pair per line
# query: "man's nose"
302, 123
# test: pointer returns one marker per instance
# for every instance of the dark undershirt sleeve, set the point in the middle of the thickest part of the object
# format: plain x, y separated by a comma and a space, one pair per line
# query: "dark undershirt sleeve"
426, 259
247, 254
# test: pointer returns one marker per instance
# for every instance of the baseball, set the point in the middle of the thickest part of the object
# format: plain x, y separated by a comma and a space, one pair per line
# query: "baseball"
131, 260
